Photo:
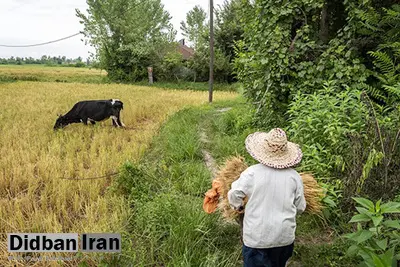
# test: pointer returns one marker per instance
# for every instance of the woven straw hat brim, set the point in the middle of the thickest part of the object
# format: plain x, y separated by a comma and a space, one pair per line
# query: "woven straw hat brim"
254, 146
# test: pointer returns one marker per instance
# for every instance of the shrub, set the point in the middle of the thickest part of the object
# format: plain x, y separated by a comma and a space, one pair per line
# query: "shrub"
79, 65
169, 67
322, 123
375, 157
377, 238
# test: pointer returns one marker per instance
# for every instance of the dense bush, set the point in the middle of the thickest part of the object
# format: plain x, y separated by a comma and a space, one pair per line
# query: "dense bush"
291, 49
328, 72
375, 157
285, 51
200, 65
322, 124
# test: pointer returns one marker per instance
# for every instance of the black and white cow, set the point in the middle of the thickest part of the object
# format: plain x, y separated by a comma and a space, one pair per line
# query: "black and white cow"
92, 111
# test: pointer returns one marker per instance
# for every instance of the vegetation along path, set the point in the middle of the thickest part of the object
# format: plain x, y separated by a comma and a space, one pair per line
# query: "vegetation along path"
167, 225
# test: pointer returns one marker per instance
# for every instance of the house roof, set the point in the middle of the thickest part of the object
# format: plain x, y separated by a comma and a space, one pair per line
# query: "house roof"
185, 50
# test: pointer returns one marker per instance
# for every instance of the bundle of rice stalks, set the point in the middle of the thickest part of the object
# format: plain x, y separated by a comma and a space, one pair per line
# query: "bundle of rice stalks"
313, 193
217, 196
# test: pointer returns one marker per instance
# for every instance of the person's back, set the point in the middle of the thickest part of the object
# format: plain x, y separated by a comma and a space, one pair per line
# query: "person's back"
275, 195
274, 199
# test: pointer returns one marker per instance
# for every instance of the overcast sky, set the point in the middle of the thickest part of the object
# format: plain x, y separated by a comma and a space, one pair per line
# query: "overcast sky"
26, 22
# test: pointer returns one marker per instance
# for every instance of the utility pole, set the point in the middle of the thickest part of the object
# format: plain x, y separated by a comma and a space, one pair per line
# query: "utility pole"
211, 81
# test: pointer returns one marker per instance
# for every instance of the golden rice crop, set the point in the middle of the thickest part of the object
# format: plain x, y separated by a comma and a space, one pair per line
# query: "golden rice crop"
33, 158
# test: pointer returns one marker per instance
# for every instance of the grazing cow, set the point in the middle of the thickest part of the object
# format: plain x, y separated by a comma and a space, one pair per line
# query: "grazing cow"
92, 111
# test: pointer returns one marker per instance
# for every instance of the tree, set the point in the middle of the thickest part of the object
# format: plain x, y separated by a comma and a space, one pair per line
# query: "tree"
196, 28
127, 35
229, 30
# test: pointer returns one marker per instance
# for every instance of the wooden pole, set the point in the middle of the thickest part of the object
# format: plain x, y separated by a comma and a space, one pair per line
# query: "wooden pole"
211, 81
150, 72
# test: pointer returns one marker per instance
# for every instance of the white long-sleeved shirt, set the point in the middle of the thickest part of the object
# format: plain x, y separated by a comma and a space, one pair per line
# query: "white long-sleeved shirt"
275, 197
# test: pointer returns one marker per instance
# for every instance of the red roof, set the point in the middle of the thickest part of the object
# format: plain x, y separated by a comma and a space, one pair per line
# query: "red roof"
186, 51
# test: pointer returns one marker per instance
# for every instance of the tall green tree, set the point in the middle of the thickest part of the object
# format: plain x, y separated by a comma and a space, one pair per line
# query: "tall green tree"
195, 28
229, 30
128, 35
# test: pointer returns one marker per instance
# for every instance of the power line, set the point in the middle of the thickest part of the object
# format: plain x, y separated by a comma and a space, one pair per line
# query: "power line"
50, 42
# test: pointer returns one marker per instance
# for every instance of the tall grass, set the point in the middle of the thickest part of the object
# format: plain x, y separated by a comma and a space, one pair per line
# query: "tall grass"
34, 158
165, 190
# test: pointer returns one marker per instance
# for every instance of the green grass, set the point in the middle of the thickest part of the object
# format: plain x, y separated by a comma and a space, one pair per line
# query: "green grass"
63, 74
196, 86
168, 226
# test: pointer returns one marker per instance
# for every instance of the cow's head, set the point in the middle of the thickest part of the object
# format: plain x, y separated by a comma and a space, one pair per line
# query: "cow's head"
61, 122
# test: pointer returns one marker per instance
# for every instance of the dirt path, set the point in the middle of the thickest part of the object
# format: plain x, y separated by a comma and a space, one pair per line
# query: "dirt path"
208, 158
210, 163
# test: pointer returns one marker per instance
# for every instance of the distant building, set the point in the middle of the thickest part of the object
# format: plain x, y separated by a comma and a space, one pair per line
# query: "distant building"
185, 50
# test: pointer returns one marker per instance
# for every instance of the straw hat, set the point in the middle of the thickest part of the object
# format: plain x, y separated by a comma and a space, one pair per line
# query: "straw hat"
272, 149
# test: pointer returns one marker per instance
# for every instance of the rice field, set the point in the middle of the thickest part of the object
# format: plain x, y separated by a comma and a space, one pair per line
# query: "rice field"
34, 159
45, 73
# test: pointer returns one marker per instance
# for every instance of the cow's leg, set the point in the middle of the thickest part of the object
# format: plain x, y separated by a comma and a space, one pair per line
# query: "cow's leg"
91, 121
120, 123
114, 121
84, 120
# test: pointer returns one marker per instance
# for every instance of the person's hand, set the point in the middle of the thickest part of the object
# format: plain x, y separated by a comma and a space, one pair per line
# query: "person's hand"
240, 209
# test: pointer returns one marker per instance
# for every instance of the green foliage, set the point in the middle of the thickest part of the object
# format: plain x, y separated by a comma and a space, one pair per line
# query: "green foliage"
321, 123
377, 239
282, 54
299, 47
323, 253
196, 86
374, 158
229, 128
229, 31
387, 89
380, 27
333, 194
170, 67
195, 28
200, 63
228, 28
128, 36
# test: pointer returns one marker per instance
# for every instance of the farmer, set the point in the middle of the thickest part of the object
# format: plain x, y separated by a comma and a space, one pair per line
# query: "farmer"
274, 194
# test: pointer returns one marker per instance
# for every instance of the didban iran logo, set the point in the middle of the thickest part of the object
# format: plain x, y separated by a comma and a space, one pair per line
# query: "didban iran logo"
63, 242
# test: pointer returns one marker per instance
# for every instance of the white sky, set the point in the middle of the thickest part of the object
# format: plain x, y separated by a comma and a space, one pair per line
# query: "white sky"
24, 22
